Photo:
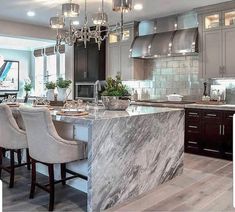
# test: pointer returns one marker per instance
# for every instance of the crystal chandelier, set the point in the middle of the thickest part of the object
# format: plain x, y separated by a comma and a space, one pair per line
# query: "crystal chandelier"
99, 32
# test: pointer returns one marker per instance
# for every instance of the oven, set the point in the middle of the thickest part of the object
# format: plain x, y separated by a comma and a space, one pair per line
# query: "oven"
88, 91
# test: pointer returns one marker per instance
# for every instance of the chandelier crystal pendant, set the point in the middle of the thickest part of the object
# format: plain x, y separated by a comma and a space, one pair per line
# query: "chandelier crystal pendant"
70, 9
99, 32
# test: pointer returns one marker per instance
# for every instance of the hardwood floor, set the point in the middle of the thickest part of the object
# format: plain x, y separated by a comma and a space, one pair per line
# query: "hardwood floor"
205, 185
17, 198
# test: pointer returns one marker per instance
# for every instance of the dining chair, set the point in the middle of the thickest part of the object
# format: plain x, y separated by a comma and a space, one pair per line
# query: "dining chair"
48, 148
12, 139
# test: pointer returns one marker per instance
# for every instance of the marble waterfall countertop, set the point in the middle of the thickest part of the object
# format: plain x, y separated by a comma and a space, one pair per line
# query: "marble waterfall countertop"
129, 152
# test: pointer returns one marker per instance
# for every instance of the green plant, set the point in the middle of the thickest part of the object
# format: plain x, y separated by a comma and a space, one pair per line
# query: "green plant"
50, 85
28, 87
114, 87
61, 83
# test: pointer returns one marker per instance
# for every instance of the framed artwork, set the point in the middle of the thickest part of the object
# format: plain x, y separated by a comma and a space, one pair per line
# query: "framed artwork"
9, 75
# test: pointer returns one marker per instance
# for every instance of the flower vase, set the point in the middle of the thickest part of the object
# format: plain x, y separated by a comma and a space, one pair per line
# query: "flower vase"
50, 94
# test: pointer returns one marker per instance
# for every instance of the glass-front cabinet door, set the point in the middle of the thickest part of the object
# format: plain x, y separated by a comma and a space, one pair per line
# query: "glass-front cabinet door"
229, 18
212, 21
115, 37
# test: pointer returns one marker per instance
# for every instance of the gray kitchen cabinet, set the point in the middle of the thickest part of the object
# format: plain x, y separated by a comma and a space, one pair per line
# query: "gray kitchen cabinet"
228, 52
217, 40
113, 61
212, 54
118, 57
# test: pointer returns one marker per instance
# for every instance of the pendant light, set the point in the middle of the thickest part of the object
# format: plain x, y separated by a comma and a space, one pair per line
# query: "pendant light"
57, 22
70, 9
100, 18
122, 5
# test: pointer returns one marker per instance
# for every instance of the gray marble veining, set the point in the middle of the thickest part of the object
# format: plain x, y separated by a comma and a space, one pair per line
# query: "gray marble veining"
129, 156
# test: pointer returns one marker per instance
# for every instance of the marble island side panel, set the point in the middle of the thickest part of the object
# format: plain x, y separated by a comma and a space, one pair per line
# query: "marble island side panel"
129, 156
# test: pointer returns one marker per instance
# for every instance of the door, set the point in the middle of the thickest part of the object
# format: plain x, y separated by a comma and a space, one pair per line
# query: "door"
80, 63
212, 132
229, 52
212, 50
93, 63
228, 135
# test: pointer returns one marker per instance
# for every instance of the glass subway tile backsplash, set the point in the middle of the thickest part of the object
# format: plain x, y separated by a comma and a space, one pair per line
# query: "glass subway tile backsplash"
170, 75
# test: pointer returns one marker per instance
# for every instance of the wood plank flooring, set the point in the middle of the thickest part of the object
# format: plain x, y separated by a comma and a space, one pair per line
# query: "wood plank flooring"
205, 186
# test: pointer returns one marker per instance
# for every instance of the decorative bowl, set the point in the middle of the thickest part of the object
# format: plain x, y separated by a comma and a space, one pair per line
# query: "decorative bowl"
115, 102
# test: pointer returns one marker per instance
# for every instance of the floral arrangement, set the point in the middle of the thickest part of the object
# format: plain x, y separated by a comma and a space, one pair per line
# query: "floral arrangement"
114, 87
50, 85
61, 83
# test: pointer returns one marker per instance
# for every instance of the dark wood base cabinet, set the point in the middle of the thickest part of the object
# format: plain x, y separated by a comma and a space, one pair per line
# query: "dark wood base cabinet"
209, 132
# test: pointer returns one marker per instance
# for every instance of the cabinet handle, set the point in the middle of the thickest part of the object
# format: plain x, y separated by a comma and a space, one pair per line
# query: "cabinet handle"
231, 116
193, 127
211, 115
220, 70
191, 113
220, 129
223, 129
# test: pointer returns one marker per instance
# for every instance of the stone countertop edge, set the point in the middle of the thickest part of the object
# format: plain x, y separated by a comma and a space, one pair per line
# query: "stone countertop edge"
188, 106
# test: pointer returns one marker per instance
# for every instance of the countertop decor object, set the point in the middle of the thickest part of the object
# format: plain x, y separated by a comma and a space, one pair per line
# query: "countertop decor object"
115, 95
174, 97
62, 87
50, 86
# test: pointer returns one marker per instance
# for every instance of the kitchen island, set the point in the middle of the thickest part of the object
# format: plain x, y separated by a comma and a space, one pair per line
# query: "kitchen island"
129, 152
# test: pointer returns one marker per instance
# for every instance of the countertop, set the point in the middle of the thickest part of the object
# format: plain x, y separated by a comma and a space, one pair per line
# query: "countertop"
225, 107
99, 113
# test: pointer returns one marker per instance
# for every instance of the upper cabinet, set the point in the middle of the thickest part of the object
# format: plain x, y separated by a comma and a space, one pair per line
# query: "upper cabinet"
118, 57
217, 40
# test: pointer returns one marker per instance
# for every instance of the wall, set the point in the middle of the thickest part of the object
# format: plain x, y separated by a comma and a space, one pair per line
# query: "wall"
15, 29
170, 75
25, 59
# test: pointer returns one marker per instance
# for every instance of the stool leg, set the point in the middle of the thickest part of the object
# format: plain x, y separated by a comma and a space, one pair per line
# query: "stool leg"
63, 173
4, 152
19, 156
33, 179
28, 159
1, 155
52, 189
12, 169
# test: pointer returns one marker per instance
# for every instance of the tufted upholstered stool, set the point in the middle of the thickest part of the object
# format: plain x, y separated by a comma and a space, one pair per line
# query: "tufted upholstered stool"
48, 148
12, 139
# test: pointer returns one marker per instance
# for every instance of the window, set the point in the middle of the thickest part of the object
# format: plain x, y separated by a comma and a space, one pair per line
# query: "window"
48, 68
39, 76
62, 65
51, 68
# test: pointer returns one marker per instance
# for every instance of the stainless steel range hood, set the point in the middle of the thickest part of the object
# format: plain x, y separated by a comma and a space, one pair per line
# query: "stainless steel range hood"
185, 42
162, 37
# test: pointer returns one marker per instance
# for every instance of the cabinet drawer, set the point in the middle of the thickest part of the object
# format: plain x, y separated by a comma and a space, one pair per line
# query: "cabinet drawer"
193, 127
193, 113
229, 115
212, 114
192, 140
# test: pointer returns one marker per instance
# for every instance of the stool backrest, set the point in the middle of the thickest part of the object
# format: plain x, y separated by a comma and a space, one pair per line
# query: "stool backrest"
41, 133
10, 132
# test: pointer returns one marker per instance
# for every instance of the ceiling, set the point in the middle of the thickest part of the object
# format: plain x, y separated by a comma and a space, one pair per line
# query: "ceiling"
22, 44
15, 10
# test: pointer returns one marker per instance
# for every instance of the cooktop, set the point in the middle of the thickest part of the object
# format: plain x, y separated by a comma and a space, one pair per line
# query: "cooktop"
166, 102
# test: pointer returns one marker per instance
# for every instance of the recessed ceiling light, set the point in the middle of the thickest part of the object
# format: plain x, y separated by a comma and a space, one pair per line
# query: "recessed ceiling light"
75, 23
30, 13
138, 6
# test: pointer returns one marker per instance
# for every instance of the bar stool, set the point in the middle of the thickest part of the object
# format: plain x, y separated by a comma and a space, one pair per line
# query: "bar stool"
48, 148
13, 139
